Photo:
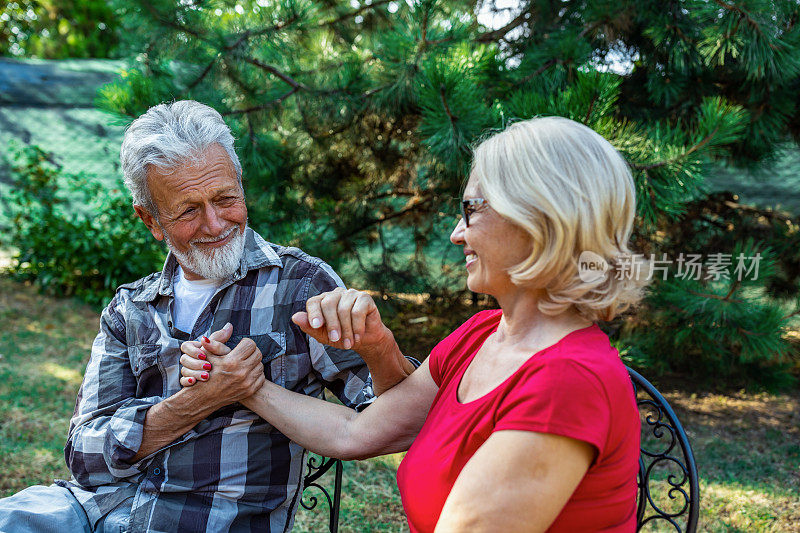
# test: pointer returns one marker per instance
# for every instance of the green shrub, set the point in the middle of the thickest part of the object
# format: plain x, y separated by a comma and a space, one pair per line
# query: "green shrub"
74, 236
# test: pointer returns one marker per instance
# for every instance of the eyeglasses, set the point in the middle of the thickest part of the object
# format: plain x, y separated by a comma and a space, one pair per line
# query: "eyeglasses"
470, 206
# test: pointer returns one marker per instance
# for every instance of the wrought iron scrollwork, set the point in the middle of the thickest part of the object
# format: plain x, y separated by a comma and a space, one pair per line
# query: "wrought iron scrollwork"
316, 467
665, 452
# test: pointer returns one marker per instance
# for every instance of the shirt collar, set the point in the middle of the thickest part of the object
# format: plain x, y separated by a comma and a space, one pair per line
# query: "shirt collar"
257, 254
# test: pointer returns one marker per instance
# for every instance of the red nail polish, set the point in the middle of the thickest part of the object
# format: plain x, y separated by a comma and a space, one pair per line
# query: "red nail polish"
207, 366
201, 355
191, 380
204, 375
206, 339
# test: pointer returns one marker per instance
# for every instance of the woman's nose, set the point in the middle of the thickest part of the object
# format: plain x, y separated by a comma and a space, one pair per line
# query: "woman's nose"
457, 236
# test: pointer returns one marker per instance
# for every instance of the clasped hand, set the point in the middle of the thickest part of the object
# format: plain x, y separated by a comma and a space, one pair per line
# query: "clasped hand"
342, 318
238, 373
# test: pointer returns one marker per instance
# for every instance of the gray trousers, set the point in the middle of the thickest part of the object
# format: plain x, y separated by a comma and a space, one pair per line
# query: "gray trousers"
54, 509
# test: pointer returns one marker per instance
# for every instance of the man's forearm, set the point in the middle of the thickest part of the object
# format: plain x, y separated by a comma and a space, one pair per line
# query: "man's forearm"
166, 421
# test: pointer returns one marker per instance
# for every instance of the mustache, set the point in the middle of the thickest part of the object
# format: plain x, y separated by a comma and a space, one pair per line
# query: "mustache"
215, 239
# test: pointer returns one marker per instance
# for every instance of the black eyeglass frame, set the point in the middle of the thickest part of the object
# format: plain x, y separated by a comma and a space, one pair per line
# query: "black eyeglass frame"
470, 206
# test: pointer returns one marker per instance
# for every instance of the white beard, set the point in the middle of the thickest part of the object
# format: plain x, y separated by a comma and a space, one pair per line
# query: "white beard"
217, 263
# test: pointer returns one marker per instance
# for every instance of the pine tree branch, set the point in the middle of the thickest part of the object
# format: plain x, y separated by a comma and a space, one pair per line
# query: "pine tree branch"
261, 107
734, 285
202, 74
354, 13
790, 315
450, 114
274, 71
425, 28
251, 130
549, 63
392, 194
261, 31
715, 296
415, 205
744, 14
499, 33
682, 156
230, 74
591, 107
171, 23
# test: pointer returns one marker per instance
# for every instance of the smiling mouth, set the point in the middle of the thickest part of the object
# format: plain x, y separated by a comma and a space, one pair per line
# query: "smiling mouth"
471, 258
227, 236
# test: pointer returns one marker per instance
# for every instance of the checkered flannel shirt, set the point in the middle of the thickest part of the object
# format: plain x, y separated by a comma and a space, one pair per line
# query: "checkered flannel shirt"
233, 471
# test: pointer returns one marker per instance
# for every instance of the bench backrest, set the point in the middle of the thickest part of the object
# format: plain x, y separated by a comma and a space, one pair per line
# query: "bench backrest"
668, 481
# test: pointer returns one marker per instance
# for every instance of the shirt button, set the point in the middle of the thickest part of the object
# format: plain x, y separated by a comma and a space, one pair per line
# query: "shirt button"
156, 471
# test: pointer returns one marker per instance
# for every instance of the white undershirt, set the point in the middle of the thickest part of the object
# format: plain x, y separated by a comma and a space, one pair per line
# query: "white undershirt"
191, 297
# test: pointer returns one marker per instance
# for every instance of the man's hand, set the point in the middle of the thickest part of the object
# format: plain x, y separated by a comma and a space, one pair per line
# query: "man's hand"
237, 373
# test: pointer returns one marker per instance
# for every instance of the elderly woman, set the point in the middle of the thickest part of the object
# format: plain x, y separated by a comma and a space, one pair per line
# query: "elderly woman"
522, 419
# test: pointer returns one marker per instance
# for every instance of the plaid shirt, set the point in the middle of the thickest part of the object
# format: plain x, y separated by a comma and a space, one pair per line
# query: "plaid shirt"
233, 471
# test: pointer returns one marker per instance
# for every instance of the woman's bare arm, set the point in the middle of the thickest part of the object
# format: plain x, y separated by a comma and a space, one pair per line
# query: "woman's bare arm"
388, 425
517, 481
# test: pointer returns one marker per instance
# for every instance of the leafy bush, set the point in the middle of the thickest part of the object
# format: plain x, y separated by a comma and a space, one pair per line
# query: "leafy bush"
74, 237
58, 29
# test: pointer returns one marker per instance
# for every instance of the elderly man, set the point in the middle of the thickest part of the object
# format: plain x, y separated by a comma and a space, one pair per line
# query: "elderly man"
145, 454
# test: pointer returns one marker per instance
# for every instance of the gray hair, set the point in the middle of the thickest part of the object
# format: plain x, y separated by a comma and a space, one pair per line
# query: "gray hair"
167, 136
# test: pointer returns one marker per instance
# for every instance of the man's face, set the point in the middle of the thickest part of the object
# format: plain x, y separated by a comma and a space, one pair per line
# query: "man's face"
201, 214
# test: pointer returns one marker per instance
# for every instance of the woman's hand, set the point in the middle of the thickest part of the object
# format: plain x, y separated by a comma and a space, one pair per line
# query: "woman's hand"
345, 318
238, 373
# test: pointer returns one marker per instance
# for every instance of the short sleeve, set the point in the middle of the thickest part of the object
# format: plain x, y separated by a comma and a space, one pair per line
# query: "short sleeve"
443, 360
561, 397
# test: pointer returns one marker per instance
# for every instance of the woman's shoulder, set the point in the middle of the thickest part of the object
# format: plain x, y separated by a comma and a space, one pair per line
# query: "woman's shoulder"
455, 349
588, 355
486, 319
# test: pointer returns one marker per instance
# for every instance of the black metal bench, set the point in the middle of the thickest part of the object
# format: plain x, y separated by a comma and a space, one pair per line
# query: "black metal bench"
666, 464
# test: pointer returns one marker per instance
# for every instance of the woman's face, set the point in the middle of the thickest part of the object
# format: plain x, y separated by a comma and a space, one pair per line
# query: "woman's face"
491, 244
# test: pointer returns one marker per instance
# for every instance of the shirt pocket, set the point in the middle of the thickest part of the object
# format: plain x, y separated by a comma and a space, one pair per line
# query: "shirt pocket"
272, 346
146, 369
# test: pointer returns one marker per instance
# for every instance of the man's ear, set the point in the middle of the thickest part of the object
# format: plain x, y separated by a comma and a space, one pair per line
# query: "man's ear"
149, 221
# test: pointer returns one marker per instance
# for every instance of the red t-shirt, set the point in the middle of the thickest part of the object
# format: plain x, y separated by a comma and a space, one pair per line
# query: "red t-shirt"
577, 388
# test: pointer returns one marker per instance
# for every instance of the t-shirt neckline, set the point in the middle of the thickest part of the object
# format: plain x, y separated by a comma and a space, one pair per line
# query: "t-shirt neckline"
501, 385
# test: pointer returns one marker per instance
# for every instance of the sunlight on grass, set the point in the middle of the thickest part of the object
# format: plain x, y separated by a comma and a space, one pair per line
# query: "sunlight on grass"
730, 508
68, 375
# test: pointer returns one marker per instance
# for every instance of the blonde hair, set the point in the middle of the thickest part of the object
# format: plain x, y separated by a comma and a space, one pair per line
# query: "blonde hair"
571, 191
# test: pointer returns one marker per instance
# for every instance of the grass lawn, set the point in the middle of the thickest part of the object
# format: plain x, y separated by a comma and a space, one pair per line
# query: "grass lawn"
747, 445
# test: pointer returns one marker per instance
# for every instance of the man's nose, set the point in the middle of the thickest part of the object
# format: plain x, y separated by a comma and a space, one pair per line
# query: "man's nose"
457, 236
213, 221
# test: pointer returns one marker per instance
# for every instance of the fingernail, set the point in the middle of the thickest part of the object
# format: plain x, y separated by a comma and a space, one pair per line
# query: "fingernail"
190, 380
207, 366
358, 338
333, 335
347, 344
315, 323
227, 325
204, 375
206, 339
201, 355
